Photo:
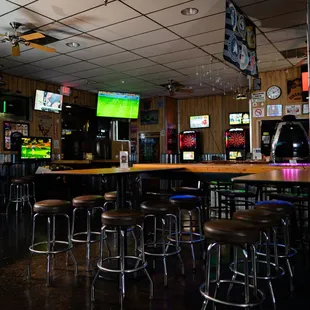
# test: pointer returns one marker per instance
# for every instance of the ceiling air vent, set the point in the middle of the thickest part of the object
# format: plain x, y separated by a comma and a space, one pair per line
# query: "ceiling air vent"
295, 53
44, 41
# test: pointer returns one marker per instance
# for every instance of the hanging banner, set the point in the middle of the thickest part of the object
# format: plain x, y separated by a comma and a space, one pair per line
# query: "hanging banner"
240, 40
294, 90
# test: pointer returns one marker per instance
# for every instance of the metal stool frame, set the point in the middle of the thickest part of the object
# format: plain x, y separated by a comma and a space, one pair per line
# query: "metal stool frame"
21, 196
51, 251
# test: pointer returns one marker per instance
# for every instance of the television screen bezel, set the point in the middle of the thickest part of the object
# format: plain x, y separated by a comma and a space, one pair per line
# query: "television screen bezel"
4, 147
202, 126
241, 124
118, 92
56, 111
36, 159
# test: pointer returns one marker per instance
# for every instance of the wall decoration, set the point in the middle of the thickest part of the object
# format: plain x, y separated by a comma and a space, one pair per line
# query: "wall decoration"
274, 110
259, 97
240, 40
294, 90
294, 109
258, 112
305, 108
257, 84
45, 124
12, 133
149, 117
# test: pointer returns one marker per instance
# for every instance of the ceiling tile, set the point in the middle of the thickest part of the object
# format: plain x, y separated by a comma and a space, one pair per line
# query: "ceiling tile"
127, 82
96, 51
164, 48
6, 63
176, 76
266, 49
147, 70
199, 26
207, 38
261, 40
172, 16
7, 7
160, 75
287, 34
270, 57
59, 31
115, 59
140, 63
291, 44
23, 2
63, 79
150, 38
23, 70
282, 21
101, 16
6, 49
151, 6
55, 62
29, 19
176, 56
43, 75
273, 64
242, 3
76, 67
84, 40
32, 55
78, 83
189, 63
116, 76
59, 9
125, 29
214, 48
93, 72
192, 70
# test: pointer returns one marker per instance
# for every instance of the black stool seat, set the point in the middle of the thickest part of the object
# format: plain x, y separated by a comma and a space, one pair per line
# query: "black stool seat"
110, 195
231, 232
184, 201
259, 218
51, 206
288, 197
283, 208
187, 190
22, 180
88, 201
158, 207
121, 217
29, 178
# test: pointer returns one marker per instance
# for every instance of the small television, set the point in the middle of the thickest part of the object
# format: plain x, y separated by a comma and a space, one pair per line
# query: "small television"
118, 105
149, 117
48, 102
241, 118
187, 156
36, 148
200, 121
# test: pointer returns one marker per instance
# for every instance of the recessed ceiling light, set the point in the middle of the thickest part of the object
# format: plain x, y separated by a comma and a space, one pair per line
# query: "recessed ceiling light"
123, 82
73, 44
189, 11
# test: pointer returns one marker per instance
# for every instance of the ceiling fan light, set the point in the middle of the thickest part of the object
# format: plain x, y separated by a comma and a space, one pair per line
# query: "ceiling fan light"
73, 44
189, 11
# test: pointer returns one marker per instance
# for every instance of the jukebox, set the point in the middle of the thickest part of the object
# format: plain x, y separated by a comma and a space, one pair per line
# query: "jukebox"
189, 145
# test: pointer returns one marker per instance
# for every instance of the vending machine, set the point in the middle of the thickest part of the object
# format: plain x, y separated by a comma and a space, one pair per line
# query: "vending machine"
237, 143
190, 146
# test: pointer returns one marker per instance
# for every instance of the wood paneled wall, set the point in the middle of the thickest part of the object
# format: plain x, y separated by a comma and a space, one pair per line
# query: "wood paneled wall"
218, 107
268, 79
27, 87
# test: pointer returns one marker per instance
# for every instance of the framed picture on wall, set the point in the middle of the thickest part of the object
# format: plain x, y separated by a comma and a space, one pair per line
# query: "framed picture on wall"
305, 108
12, 134
274, 110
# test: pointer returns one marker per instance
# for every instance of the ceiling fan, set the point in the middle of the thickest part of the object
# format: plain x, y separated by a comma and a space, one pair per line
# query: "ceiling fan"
175, 87
16, 39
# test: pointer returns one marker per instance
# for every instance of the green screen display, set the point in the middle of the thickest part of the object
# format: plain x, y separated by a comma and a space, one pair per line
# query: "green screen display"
36, 148
118, 105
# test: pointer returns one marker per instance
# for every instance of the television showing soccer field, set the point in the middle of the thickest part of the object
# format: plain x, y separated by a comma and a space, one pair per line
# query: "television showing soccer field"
36, 148
118, 105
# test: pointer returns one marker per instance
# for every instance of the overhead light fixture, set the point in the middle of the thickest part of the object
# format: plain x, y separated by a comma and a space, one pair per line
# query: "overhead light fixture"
73, 44
123, 82
189, 11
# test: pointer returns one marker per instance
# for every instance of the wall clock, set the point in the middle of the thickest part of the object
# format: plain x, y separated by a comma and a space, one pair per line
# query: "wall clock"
274, 92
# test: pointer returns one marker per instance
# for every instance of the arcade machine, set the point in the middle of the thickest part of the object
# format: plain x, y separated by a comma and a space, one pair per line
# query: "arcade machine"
290, 143
237, 143
190, 146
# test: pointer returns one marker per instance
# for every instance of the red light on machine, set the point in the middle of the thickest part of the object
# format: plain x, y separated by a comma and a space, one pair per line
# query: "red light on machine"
65, 91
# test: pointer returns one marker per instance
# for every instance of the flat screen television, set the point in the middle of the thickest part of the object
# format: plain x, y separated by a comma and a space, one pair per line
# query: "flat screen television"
118, 105
48, 102
240, 118
200, 121
36, 148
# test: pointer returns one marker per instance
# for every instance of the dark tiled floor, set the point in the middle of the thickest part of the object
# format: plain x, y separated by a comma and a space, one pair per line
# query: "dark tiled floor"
69, 292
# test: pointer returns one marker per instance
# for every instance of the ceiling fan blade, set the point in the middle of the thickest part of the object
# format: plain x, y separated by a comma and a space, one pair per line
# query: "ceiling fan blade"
185, 90
15, 50
42, 48
33, 36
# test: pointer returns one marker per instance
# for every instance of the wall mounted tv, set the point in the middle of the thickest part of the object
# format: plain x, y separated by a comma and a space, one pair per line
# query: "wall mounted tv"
239, 118
48, 102
118, 105
201, 121
36, 148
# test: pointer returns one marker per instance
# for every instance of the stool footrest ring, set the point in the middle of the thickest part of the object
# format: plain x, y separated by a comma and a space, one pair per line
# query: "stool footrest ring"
84, 233
159, 246
292, 251
196, 237
117, 258
32, 248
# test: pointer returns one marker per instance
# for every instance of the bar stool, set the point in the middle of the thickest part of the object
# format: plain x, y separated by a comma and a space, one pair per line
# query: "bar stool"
188, 204
110, 199
32, 187
51, 209
122, 219
88, 203
285, 210
19, 193
239, 235
162, 211
266, 222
